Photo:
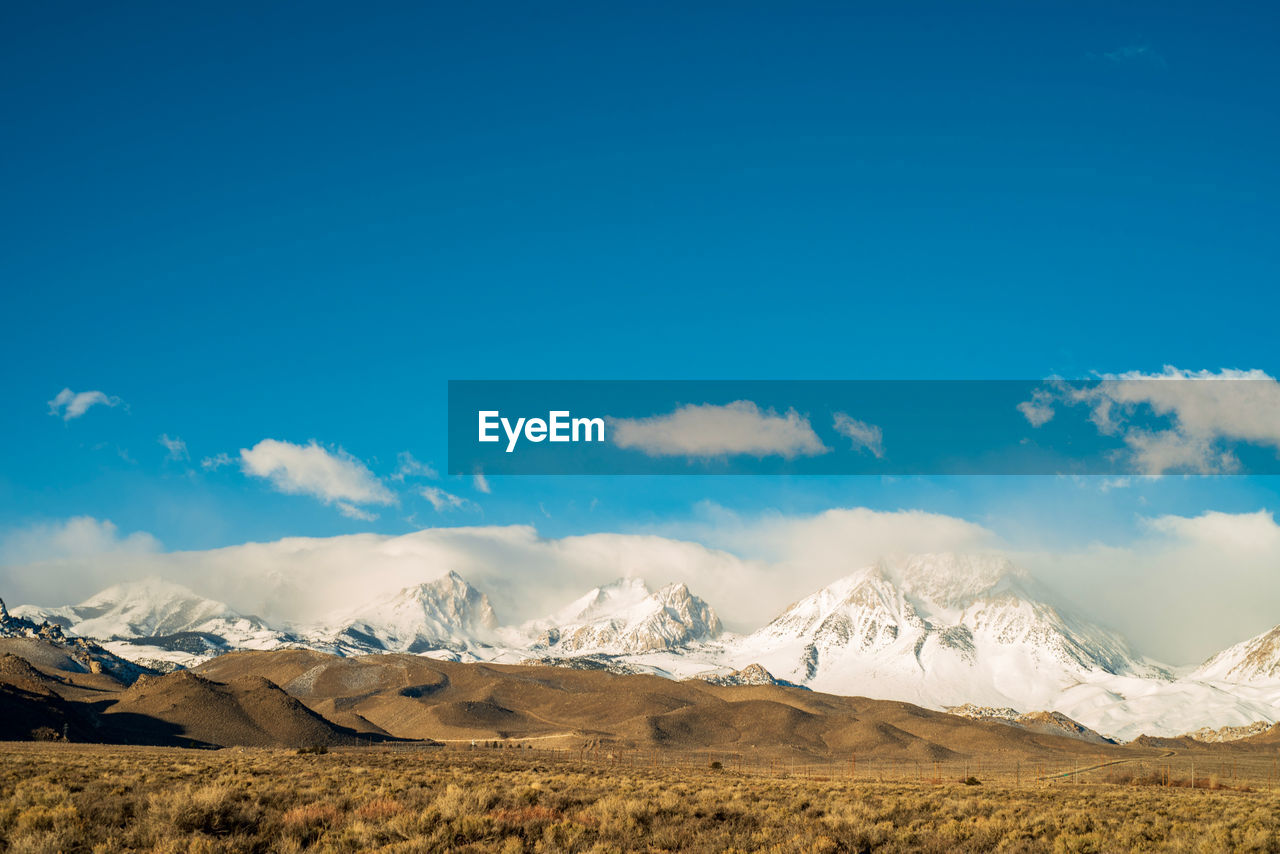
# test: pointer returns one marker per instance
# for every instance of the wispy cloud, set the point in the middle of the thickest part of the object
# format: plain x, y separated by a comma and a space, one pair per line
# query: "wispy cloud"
481, 483
443, 501
864, 436
331, 476
216, 462
708, 430
1206, 408
408, 466
1111, 483
69, 404
353, 512
176, 448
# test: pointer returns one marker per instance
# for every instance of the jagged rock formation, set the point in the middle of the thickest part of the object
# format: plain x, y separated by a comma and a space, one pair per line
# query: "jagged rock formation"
624, 618
91, 657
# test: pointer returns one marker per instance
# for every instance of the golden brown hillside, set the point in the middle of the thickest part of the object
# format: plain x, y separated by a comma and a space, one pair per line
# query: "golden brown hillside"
413, 697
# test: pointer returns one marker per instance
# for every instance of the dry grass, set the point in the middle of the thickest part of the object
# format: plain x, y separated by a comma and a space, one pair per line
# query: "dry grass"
70, 798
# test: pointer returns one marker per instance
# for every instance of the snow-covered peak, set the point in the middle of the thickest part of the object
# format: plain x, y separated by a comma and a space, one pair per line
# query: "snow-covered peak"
679, 603
867, 597
939, 630
147, 608
447, 613
951, 581
150, 589
604, 600
624, 618
151, 607
1255, 661
159, 623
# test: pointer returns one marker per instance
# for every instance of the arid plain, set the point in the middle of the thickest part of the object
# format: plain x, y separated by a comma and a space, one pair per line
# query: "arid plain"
297, 750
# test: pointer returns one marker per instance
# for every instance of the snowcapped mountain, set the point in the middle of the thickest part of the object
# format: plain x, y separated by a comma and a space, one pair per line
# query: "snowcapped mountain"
939, 630
625, 618
81, 652
445, 614
1252, 662
157, 610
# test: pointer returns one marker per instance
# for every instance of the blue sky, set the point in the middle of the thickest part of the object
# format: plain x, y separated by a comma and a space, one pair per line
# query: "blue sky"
300, 224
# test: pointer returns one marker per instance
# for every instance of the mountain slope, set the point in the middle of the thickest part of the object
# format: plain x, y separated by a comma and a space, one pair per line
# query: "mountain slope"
935, 630
445, 614
167, 615
47, 640
415, 697
251, 711
1255, 661
624, 618
940, 630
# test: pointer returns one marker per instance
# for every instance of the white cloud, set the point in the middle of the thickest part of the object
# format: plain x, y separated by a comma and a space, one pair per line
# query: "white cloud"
331, 476
79, 536
786, 557
84, 542
1039, 409
1160, 451
303, 579
176, 448
864, 436
1236, 535
526, 575
216, 462
1187, 587
445, 501
481, 483
353, 512
1206, 409
1183, 588
70, 404
408, 466
707, 430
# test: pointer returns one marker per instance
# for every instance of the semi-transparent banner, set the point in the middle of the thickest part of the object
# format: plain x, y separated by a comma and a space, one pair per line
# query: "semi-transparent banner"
865, 427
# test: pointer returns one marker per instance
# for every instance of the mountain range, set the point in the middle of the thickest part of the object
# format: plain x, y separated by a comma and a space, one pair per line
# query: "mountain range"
940, 631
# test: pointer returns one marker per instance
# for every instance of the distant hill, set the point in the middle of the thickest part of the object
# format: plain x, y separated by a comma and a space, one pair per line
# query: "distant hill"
302, 698
941, 631
250, 711
416, 697
44, 688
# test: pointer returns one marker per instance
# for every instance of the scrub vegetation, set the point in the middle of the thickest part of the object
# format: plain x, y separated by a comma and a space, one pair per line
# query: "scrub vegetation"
93, 798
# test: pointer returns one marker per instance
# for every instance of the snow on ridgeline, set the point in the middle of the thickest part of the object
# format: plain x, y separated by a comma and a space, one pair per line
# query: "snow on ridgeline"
76, 653
939, 630
624, 618
160, 624
447, 614
1230, 733
1255, 661
1051, 723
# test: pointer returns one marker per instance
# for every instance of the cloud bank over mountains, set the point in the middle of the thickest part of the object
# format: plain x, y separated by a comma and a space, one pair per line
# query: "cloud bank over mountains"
1184, 589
